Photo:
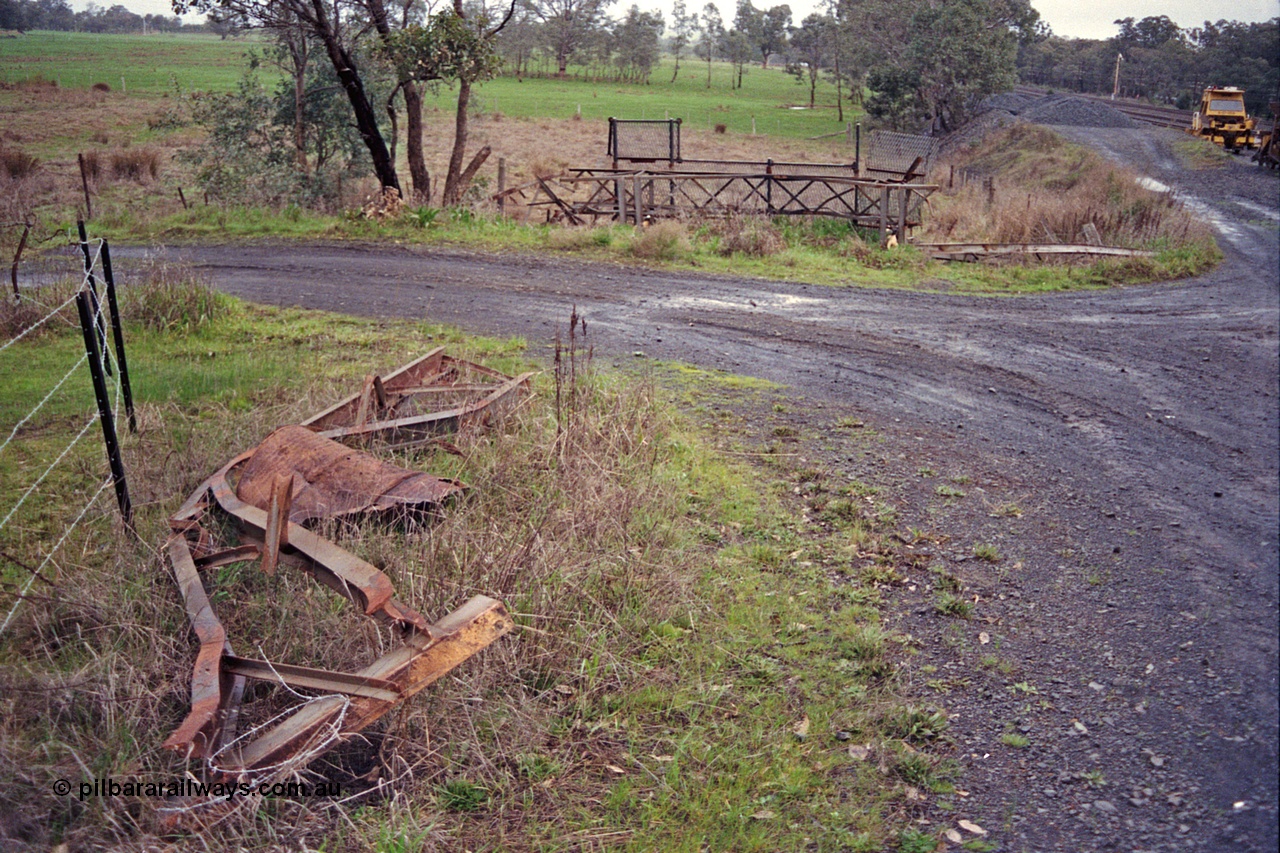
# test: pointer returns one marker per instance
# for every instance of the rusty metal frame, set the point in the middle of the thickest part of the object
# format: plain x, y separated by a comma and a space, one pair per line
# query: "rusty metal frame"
386, 408
473, 396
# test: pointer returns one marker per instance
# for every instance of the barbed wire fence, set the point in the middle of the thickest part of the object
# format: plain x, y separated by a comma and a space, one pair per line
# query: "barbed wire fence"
109, 375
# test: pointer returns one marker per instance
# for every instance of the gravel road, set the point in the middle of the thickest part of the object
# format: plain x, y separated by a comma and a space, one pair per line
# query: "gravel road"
1137, 427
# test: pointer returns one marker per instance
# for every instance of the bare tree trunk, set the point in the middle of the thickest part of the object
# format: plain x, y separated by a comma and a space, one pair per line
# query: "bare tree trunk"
839, 87
413, 114
299, 132
366, 121
413, 144
452, 187
395, 121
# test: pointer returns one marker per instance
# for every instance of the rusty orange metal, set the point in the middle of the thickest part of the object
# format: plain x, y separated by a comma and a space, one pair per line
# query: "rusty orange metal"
428, 397
302, 474
331, 480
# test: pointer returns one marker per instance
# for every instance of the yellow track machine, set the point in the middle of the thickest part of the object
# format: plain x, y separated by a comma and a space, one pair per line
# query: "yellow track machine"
1222, 119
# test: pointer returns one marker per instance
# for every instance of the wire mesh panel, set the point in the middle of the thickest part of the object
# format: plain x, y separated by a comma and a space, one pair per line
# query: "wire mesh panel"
644, 141
895, 152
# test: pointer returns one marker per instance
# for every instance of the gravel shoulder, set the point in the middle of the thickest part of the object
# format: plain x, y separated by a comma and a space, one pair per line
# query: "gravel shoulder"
1119, 449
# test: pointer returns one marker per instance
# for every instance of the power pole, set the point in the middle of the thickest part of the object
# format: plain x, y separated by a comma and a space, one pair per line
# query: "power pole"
1115, 89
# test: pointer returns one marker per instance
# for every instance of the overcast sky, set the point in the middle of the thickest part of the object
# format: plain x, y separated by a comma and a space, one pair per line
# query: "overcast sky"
1074, 18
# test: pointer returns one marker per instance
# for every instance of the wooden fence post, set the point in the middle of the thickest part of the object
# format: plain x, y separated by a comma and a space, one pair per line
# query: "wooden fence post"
884, 214
84, 182
502, 185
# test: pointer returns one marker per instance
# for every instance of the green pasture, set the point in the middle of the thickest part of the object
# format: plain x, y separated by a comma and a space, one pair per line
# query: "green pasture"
770, 96
148, 65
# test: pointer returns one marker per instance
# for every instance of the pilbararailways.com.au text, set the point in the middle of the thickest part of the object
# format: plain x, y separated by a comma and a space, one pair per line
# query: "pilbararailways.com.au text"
191, 788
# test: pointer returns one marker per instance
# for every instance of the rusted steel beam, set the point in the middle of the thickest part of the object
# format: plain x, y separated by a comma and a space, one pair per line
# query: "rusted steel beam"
315, 679
336, 568
211, 688
277, 532
241, 554
413, 667
415, 428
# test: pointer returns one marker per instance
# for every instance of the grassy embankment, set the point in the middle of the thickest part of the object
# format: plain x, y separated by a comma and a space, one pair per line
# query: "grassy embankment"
532, 125
687, 649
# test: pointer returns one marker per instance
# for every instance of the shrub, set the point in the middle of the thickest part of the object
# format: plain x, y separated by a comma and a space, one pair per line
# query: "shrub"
92, 165
749, 235
17, 164
664, 241
135, 164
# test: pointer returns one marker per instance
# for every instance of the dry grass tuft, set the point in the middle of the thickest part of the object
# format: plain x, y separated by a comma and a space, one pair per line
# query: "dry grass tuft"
135, 164
17, 164
172, 297
92, 165
754, 236
543, 166
19, 315
571, 239
664, 241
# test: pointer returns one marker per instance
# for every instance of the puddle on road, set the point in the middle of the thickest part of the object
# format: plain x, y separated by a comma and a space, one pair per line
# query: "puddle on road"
1265, 213
765, 301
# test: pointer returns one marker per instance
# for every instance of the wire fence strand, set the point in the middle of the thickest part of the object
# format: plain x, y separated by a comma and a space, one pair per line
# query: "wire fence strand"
20, 424
48, 557
46, 318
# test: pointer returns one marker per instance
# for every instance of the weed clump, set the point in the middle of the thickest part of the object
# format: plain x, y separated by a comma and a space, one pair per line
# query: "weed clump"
135, 164
753, 236
663, 241
172, 297
17, 164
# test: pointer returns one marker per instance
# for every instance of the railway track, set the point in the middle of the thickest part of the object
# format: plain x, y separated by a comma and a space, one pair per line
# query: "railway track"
1146, 113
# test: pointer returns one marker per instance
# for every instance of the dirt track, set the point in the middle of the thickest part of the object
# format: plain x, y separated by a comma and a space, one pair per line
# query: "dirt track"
1138, 427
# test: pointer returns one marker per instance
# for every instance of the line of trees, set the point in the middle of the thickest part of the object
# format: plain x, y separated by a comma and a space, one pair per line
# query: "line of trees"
547, 36
1162, 60
24, 15
909, 63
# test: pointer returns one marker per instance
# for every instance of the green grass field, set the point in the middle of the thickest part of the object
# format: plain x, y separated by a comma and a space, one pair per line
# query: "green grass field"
147, 65
769, 96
